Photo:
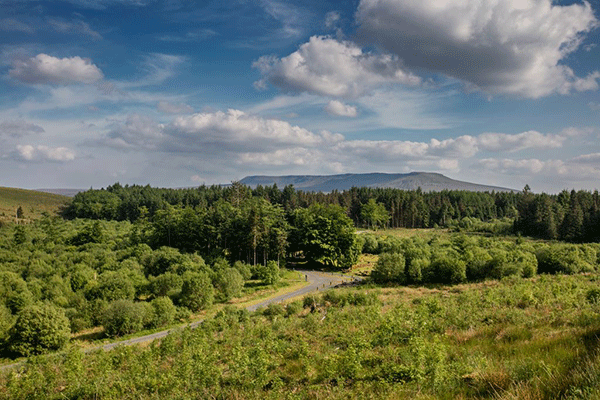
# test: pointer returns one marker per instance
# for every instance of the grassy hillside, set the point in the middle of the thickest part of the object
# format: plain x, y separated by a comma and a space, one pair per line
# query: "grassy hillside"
32, 202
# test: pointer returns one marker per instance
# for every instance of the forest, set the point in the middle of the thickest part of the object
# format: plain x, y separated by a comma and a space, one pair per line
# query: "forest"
571, 216
127, 259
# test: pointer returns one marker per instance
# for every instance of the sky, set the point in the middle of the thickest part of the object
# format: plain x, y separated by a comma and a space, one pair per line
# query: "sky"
179, 93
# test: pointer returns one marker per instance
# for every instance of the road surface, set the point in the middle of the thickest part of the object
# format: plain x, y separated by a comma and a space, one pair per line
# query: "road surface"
317, 281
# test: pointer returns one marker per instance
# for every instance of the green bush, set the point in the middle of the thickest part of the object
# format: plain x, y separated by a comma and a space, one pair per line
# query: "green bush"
167, 284
244, 269
230, 283
370, 245
447, 268
197, 291
38, 329
389, 268
163, 312
268, 274
123, 317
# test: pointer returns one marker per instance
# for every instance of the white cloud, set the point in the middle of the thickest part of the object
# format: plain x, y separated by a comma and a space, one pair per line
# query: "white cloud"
170, 108
565, 172
531, 139
45, 153
137, 132
331, 19
191, 36
335, 107
593, 159
333, 68
594, 105
236, 129
499, 46
12, 25
18, 128
47, 69
157, 69
76, 27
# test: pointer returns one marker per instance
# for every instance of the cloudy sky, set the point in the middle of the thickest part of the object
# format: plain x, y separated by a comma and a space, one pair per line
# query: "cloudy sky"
181, 92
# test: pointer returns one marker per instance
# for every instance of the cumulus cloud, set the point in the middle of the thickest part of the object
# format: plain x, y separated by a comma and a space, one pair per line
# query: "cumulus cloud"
44, 69
44, 153
237, 129
137, 132
247, 139
331, 67
531, 139
170, 108
335, 107
18, 128
499, 46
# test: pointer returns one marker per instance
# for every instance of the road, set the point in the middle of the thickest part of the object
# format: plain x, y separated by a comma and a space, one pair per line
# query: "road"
318, 281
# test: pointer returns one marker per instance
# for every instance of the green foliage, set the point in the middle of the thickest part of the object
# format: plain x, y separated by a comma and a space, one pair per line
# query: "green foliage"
325, 234
446, 268
163, 312
244, 269
167, 284
197, 291
374, 214
92, 233
39, 328
123, 317
113, 285
268, 274
20, 235
229, 283
7, 320
390, 268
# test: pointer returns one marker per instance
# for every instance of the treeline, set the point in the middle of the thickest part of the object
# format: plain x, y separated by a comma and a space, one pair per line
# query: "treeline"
569, 216
410, 209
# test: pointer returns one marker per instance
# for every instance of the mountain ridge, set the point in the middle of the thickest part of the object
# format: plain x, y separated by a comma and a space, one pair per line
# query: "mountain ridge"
427, 181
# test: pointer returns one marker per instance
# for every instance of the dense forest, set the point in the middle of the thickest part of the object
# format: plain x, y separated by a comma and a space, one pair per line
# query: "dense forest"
569, 216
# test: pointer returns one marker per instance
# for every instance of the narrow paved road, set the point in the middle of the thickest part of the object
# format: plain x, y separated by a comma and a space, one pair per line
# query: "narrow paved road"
317, 281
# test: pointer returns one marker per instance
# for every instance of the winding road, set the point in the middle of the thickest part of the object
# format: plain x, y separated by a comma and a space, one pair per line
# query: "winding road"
317, 281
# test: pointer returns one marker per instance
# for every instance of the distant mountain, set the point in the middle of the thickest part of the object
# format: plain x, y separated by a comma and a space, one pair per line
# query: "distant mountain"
427, 181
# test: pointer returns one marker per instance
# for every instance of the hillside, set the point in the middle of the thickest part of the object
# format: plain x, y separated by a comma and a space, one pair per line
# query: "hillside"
32, 202
428, 182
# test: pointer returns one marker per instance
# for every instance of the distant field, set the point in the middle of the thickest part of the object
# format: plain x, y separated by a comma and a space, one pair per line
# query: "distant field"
32, 202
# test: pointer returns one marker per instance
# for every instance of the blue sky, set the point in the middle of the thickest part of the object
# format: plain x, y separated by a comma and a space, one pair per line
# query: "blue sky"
179, 93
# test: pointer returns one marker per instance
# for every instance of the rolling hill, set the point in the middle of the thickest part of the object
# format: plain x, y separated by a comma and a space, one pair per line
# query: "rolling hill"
427, 181
32, 202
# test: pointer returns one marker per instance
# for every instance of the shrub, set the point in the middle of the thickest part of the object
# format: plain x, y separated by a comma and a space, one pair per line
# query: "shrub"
269, 274
417, 270
293, 308
197, 291
123, 317
370, 245
167, 284
447, 268
389, 268
38, 329
244, 269
163, 312
230, 283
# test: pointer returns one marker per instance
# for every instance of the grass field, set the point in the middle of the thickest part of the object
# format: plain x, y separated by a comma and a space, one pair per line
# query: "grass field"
32, 202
